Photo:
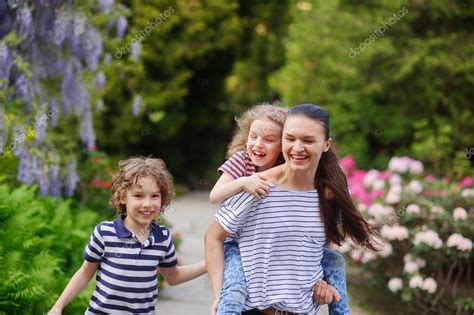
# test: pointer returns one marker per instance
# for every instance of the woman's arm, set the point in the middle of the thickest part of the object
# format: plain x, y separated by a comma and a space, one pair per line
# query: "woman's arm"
178, 274
227, 186
214, 254
78, 282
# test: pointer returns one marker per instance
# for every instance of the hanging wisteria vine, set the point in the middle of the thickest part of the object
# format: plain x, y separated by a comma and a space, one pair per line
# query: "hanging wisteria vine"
49, 50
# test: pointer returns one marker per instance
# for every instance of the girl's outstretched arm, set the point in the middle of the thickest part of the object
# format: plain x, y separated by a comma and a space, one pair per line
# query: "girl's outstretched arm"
178, 274
227, 186
214, 239
78, 282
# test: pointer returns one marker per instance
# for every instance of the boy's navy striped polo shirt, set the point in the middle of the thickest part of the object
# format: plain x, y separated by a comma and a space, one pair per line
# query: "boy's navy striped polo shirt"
281, 239
126, 279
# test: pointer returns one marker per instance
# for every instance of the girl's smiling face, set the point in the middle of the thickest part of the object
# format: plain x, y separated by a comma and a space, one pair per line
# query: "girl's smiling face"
264, 143
303, 143
143, 204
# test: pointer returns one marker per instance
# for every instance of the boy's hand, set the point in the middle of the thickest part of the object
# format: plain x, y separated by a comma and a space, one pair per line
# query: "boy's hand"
324, 293
214, 306
257, 185
55, 311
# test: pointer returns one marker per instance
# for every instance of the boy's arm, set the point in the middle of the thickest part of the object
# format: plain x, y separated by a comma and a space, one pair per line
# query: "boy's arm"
179, 274
227, 186
78, 282
214, 254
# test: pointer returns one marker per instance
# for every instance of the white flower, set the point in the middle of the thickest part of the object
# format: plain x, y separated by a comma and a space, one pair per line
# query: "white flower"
416, 167
378, 184
395, 232
407, 257
413, 208
420, 262
454, 240
459, 214
399, 164
368, 256
395, 284
392, 197
416, 282
429, 284
386, 249
436, 209
465, 245
378, 210
428, 237
468, 192
411, 267
370, 177
395, 180
415, 187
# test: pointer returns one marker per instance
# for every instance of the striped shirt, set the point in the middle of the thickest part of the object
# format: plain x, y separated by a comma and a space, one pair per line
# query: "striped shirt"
238, 165
281, 240
126, 279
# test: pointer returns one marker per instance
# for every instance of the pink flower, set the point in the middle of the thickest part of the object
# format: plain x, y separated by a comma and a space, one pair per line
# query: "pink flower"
348, 164
416, 282
465, 245
411, 267
429, 237
415, 187
430, 178
466, 182
413, 208
399, 164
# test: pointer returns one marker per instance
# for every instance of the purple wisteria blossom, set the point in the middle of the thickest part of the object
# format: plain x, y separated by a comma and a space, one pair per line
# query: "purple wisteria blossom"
87, 131
136, 50
6, 62
136, 105
23, 22
42, 178
99, 80
21, 87
121, 26
106, 5
61, 25
27, 168
92, 48
41, 124
55, 178
54, 110
3, 130
72, 178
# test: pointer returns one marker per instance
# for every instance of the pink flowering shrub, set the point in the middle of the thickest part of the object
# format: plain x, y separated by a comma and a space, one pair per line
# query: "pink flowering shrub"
426, 229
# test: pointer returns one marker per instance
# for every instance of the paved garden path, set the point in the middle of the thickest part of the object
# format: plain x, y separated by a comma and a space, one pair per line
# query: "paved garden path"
190, 215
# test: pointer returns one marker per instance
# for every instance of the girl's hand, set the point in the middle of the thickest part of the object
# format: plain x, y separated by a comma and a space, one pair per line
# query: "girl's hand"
214, 306
324, 293
257, 185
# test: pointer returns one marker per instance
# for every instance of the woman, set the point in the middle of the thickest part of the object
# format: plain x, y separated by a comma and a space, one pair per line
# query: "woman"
281, 237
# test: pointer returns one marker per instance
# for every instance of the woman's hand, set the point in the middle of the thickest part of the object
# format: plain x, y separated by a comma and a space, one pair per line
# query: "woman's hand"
256, 184
324, 293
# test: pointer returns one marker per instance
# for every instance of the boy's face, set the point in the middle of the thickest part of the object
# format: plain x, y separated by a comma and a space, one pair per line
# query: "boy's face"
143, 202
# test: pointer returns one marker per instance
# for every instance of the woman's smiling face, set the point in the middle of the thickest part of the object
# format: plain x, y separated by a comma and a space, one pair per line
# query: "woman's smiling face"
303, 143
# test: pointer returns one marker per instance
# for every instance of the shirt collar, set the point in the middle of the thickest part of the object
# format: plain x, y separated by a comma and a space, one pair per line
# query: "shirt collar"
123, 232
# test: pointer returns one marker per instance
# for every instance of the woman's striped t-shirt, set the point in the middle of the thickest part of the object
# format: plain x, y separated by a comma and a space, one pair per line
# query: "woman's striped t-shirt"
281, 239
126, 280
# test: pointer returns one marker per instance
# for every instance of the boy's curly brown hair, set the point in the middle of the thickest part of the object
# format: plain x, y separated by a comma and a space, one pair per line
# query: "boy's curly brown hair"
133, 169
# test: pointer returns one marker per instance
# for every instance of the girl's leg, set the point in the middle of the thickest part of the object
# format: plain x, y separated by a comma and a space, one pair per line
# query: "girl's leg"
234, 288
334, 269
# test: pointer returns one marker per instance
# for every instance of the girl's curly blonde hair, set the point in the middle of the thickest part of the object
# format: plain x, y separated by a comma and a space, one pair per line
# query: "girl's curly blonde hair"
133, 169
266, 111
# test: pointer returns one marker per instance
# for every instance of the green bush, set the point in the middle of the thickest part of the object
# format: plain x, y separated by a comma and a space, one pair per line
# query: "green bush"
41, 248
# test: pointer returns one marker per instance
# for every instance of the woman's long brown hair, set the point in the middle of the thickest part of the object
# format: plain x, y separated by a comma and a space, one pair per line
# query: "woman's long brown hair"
335, 202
